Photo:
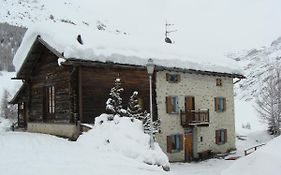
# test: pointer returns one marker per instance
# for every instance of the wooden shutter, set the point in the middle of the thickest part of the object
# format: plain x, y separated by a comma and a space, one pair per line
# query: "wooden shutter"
169, 107
225, 135
217, 136
181, 141
224, 104
167, 77
169, 144
178, 77
216, 104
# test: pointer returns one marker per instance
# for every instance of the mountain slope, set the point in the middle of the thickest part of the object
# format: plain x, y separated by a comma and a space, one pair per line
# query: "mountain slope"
256, 63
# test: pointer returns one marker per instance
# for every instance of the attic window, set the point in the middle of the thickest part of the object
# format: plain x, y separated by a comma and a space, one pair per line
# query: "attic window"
218, 82
173, 78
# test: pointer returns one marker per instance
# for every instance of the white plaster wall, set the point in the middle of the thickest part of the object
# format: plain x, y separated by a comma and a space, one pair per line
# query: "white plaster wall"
204, 89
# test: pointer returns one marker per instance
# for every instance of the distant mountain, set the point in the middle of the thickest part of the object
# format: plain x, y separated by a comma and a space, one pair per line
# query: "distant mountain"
10, 39
17, 15
255, 63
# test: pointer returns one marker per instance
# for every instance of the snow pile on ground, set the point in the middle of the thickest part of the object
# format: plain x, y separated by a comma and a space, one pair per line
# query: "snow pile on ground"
99, 45
266, 160
5, 125
91, 154
125, 136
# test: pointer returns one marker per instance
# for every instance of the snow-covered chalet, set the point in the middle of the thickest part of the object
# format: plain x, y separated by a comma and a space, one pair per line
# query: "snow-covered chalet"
67, 78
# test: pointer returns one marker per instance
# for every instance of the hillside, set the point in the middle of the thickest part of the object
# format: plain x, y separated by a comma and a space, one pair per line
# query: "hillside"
255, 64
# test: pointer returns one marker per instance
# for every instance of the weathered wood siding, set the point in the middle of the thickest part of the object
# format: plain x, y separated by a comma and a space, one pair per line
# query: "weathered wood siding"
96, 83
47, 73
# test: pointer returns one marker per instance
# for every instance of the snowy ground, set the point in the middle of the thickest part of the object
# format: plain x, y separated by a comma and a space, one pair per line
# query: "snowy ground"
33, 153
51, 155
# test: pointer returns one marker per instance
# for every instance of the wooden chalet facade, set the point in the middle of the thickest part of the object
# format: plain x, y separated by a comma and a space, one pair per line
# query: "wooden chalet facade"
75, 91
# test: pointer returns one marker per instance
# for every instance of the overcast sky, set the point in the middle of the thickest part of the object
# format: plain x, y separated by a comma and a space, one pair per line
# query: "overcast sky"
206, 27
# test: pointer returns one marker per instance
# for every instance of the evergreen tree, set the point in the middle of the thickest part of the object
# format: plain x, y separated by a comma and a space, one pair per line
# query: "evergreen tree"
134, 110
114, 102
8, 111
146, 124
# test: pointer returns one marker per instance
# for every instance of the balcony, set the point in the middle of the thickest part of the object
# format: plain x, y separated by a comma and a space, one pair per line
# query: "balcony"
198, 117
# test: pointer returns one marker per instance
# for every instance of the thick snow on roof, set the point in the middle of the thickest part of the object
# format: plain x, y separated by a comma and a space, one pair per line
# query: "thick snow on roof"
99, 45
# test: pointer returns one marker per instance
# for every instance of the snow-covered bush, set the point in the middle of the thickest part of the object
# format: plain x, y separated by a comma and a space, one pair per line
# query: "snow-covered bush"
134, 110
5, 125
126, 137
7, 110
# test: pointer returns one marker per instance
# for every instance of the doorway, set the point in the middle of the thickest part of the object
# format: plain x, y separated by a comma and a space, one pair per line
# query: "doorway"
188, 146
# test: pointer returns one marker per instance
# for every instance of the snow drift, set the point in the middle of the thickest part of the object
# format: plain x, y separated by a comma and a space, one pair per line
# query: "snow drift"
124, 136
265, 160
99, 45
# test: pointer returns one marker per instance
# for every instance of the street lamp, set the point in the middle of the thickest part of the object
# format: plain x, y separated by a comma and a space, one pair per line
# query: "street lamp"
150, 69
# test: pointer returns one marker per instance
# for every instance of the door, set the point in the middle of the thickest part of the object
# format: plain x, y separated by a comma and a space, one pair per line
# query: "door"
48, 103
189, 105
188, 147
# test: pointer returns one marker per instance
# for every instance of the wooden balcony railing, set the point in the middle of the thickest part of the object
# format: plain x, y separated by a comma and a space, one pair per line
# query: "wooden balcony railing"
198, 117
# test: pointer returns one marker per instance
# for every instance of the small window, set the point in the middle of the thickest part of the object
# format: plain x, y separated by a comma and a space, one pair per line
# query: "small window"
174, 143
201, 139
220, 104
218, 82
221, 136
21, 105
172, 104
173, 78
51, 100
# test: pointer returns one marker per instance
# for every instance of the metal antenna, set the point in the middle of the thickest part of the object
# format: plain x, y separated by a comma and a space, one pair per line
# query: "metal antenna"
167, 32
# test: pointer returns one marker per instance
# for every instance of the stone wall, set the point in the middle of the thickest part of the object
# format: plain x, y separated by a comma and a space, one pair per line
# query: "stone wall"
59, 129
204, 89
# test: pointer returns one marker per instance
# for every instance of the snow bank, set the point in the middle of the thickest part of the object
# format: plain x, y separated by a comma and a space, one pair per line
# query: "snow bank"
266, 160
125, 137
105, 46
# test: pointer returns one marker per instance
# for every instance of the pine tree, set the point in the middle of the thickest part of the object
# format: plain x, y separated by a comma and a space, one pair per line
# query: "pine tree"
8, 111
146, 124
134, 110
114, 102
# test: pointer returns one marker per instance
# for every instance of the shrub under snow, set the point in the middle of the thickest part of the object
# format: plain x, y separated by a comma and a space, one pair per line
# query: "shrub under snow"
5, 125
126, 137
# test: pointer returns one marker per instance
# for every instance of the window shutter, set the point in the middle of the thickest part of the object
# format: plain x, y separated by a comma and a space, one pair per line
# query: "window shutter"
216, 104
178, 77
217, 136
167, 77
181, 141
225, 135
169, 144
224, 104
169, 106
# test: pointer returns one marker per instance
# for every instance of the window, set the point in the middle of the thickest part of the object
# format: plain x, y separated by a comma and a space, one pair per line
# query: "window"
172, 104
218, 82
221, 136
21, 105
172, 78
220, 104
174, 143
51, 100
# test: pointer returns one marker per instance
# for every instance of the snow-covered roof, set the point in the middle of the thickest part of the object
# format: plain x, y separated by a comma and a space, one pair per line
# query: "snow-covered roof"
99, 45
